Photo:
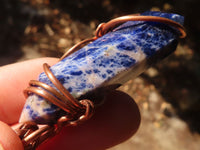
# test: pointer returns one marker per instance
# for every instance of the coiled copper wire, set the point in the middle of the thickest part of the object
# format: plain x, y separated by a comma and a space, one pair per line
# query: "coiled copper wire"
31, 134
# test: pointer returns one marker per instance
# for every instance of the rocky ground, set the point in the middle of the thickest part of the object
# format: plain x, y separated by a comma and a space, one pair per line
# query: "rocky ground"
167, 94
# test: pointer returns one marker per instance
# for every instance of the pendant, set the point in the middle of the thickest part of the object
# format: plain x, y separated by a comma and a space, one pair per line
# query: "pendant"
68, 92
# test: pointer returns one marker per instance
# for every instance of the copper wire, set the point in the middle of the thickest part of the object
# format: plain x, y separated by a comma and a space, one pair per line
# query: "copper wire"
77, 47
78, 111
104, 28
63, 100
33, 135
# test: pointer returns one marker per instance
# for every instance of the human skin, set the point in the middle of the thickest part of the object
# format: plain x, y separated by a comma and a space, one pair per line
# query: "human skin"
113, 122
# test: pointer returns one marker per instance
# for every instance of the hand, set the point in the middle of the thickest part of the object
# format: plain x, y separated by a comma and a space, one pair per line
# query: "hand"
113, 122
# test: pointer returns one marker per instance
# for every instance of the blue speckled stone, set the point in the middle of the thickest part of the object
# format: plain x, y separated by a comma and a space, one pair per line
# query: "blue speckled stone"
110, 60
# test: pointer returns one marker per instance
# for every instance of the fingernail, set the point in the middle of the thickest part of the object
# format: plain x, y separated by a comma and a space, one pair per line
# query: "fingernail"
1, 147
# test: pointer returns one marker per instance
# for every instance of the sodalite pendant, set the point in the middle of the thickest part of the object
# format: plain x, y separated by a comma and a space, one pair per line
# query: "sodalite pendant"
106, 63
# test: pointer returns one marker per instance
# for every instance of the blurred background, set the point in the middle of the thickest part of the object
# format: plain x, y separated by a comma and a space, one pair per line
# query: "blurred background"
168, 94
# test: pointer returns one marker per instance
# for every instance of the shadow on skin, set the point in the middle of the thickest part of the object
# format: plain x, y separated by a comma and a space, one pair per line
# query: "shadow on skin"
114, 122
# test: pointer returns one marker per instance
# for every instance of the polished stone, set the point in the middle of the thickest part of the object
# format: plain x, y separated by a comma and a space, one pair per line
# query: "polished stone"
110, 60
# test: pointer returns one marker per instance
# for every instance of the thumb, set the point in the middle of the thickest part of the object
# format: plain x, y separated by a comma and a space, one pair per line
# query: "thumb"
9, 139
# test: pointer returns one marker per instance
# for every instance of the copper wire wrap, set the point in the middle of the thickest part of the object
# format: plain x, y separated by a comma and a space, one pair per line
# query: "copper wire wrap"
104, 28
31, 134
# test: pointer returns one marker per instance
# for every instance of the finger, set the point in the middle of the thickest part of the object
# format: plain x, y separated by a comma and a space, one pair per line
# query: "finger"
14, 79
115, 121
8, 138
